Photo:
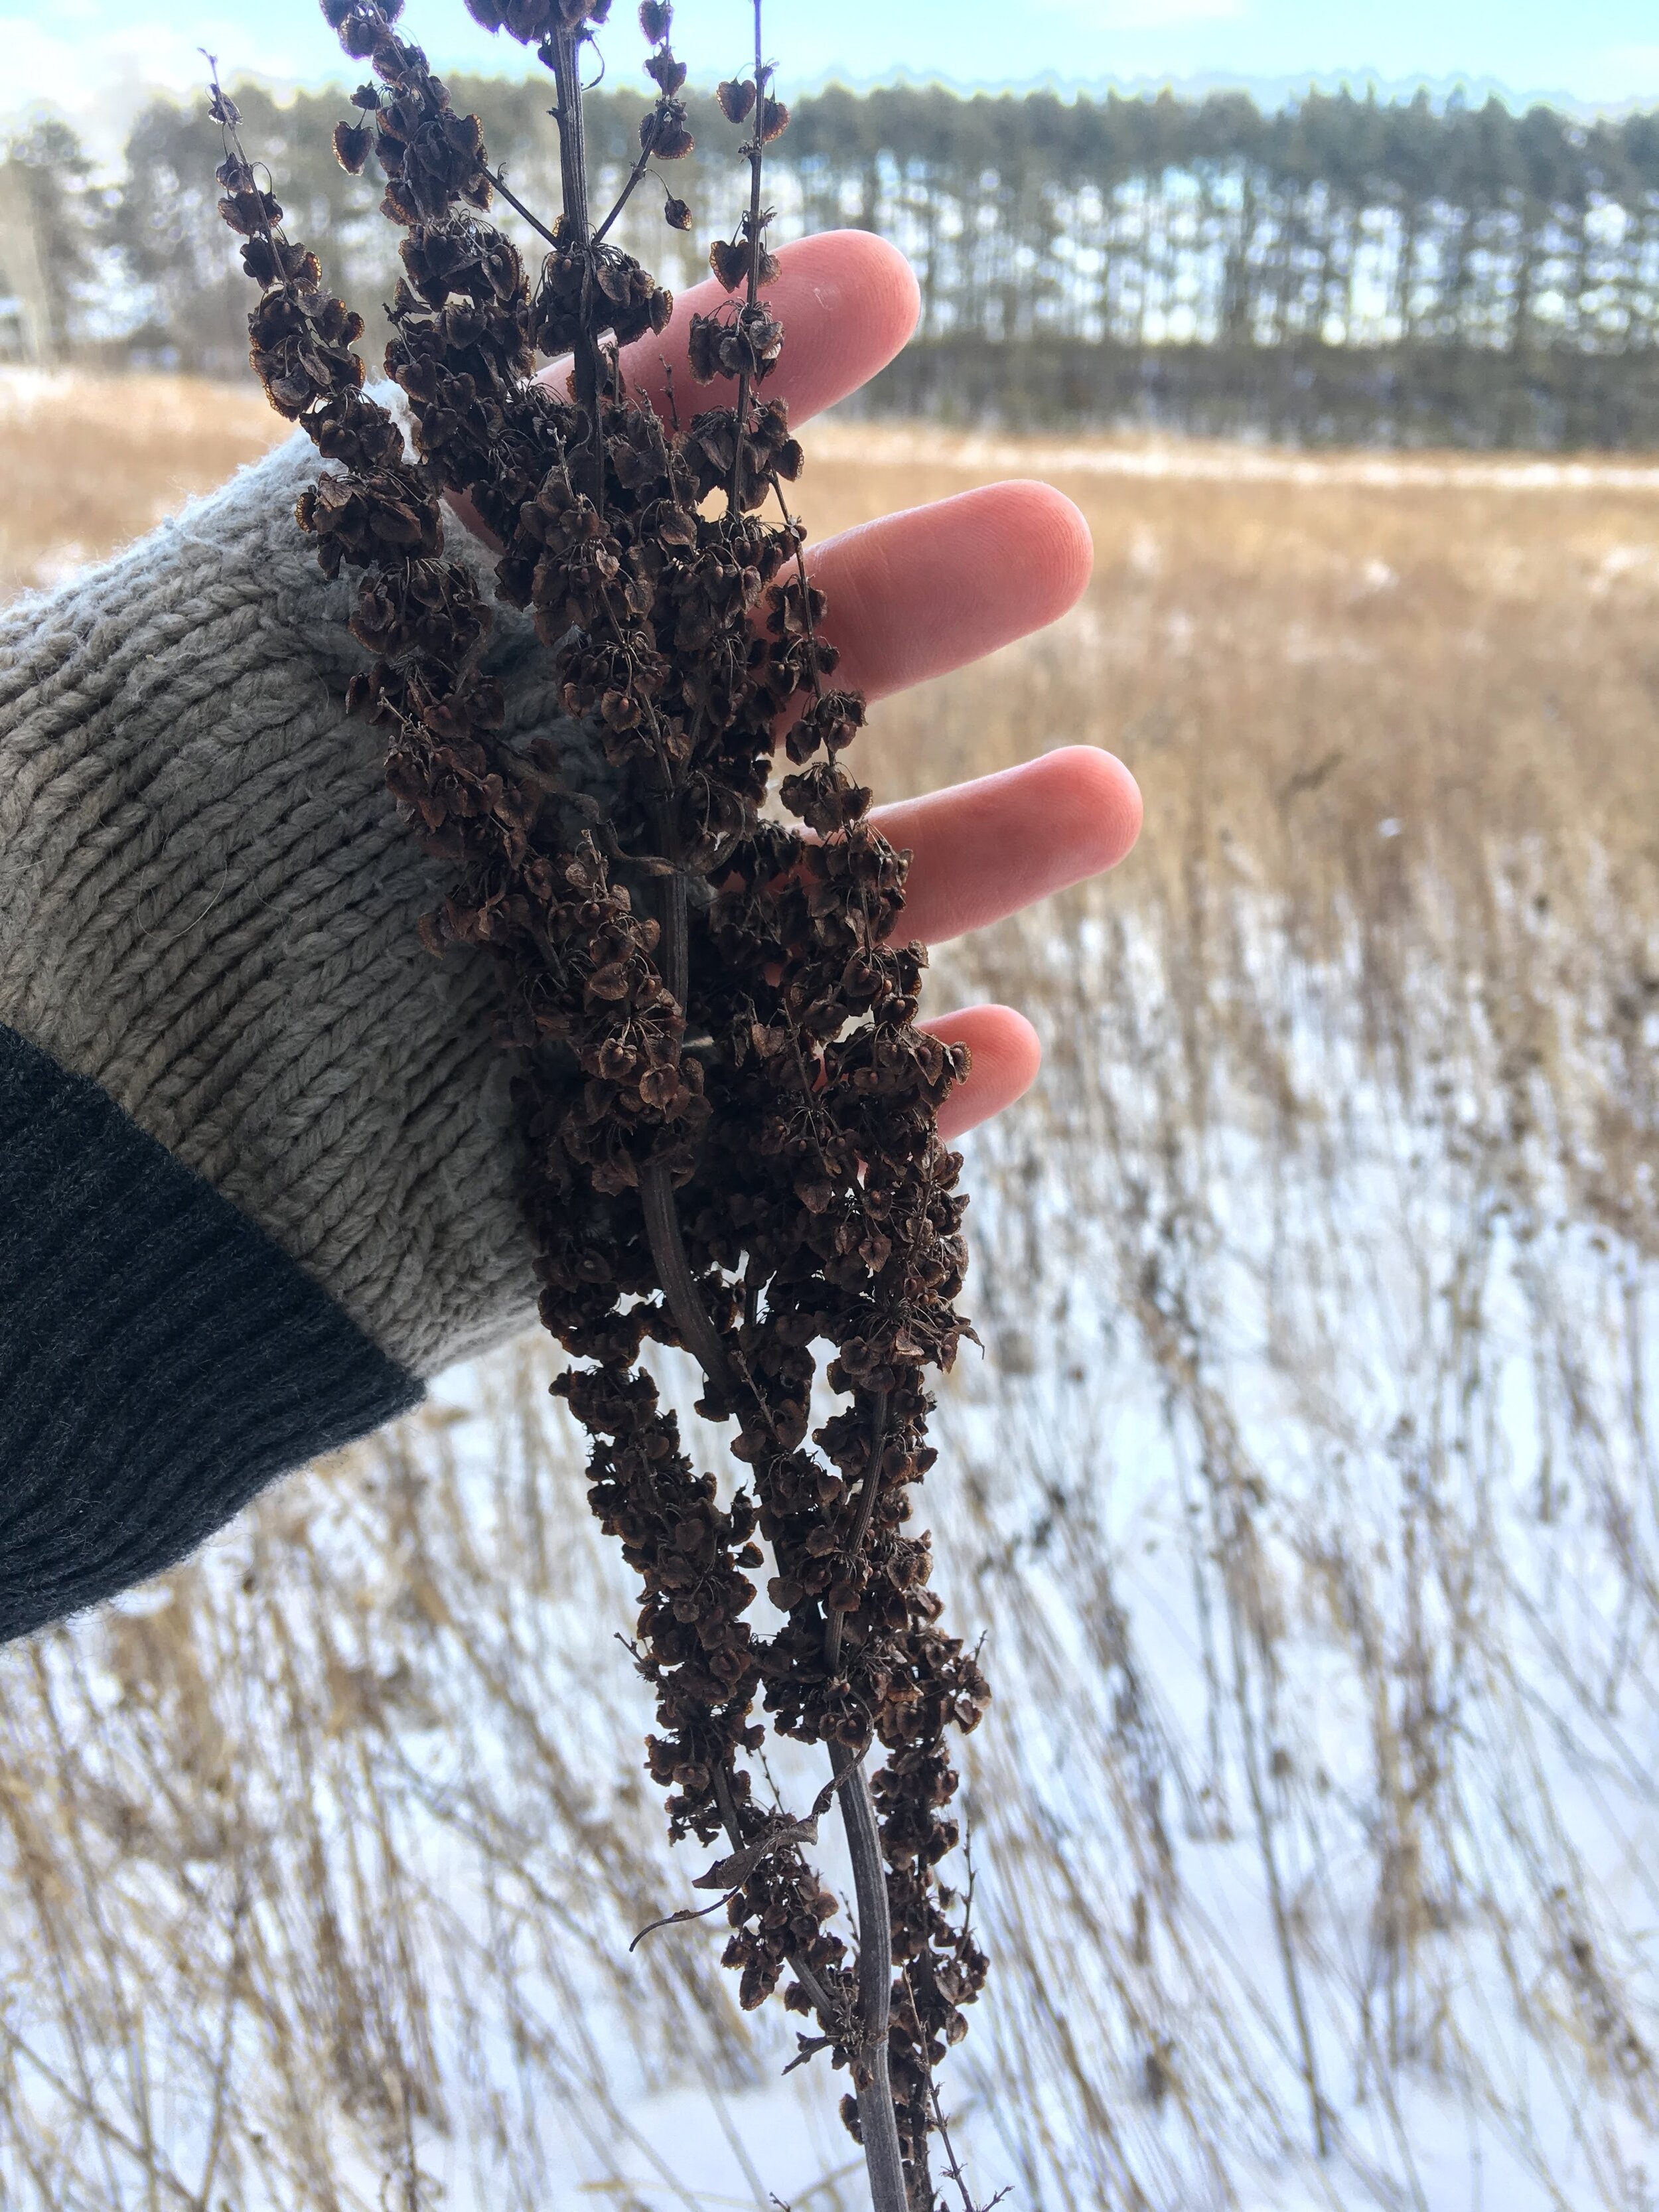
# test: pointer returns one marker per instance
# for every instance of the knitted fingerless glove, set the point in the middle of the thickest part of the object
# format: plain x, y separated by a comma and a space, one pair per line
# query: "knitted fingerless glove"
257, 1164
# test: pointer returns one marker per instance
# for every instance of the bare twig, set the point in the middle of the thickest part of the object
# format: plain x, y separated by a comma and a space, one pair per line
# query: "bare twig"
835, 1619
499, 182
757, 159
875, 2092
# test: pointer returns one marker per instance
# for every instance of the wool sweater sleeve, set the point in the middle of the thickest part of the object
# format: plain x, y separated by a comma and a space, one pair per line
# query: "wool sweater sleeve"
257, 1165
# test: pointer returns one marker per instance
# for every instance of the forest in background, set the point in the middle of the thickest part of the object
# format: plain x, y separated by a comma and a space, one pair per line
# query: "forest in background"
1344, 271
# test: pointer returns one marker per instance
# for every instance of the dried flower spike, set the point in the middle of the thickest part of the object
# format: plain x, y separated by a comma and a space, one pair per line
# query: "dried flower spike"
729, 1113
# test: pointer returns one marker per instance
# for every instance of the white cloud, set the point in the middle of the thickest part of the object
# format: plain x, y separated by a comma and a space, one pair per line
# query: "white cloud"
99, 72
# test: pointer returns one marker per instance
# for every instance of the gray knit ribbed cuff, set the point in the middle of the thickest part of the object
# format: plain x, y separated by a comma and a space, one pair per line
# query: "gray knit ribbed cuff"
160, 1359
208, 906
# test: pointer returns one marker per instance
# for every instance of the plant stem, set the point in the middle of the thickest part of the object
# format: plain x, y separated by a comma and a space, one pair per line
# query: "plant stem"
757, 155
883, 2158
498, 184
662, 1228
662, 1220
573, 178
662, 1224
835, 1618
624, 195
573, 134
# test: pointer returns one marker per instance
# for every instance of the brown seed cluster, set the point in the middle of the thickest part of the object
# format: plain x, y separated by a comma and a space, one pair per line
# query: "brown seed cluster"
729, 1112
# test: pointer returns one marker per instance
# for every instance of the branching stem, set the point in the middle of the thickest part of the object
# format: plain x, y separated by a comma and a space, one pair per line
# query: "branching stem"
624, 195
498, 183
808, 1980
680, 699
883, 2157
756, 159
835, 1619
573, 178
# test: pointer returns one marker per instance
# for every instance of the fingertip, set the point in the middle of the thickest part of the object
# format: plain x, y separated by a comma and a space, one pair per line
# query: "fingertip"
1012, 1046
1007, 1055
984, 849
865, 300
904, 290
859, 260
1102, 799
892, 290
917, 594
1060, 539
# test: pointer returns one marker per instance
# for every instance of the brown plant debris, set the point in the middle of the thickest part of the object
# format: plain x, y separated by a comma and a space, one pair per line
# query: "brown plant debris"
729, 1111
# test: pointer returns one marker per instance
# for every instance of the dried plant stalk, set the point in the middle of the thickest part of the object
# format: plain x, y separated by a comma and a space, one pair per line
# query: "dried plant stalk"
730, 1115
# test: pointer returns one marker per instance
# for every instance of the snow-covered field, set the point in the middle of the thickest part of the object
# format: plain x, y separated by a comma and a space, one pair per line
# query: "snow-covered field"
1306, 1495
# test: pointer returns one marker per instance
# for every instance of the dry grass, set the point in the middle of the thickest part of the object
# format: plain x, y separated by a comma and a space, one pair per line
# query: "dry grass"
88, 463
1317, 647
1307, 1491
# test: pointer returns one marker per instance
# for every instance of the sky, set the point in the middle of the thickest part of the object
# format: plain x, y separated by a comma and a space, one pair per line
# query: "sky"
97, 59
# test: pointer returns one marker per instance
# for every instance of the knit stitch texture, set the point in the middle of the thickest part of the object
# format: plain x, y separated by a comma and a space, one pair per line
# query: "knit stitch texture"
208, 906
160, 1358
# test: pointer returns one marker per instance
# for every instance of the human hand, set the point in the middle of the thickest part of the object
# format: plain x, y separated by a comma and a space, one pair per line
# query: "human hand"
245, 978
915, 595
263, 1169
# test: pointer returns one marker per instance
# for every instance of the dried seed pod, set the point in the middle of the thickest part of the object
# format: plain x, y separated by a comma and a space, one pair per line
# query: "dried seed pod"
665, 133
730, 264
669, 73
351, 145
737, 98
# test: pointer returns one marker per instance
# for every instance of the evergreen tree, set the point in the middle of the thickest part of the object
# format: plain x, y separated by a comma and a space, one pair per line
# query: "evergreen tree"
1342, 267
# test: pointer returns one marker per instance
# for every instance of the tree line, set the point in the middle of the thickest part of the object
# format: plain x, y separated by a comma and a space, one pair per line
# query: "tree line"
1345, 268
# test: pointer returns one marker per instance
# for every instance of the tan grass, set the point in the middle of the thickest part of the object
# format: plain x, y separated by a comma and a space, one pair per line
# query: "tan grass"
1307, 1491
1303, 645
88, 463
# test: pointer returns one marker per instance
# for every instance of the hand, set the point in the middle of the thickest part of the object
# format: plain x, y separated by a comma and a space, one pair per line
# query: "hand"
915, 595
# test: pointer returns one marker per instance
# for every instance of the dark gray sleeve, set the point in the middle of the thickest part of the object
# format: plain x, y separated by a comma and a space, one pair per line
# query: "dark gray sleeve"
161, 1358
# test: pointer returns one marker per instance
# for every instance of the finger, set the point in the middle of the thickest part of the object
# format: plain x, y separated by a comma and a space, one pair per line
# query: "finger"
931, 589
847, 301
984, 849
1005, 1058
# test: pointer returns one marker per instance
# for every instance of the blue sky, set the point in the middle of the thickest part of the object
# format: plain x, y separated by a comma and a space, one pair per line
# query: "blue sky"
96, 58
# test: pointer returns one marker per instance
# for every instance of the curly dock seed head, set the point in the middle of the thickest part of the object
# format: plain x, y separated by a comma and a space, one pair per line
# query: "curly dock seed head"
729, 1113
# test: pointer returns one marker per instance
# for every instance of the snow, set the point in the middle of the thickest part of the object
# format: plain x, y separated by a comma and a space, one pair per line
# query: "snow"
1304, 1495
